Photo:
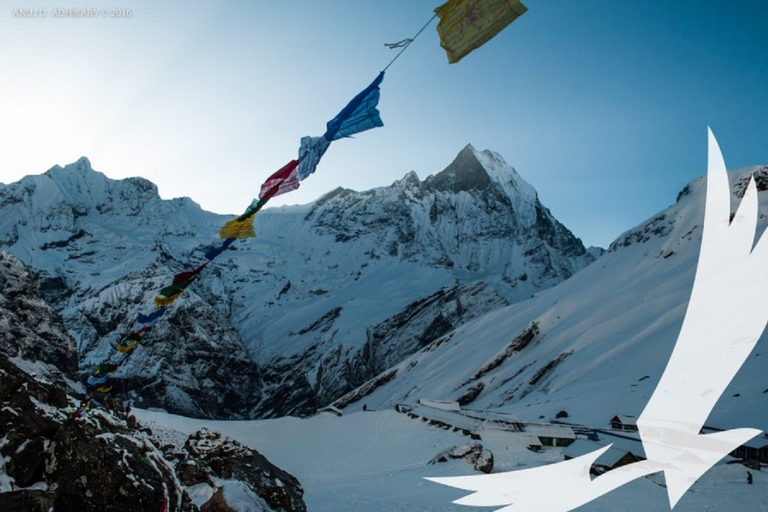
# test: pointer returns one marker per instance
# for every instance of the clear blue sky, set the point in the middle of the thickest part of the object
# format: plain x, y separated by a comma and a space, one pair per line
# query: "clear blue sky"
602, 105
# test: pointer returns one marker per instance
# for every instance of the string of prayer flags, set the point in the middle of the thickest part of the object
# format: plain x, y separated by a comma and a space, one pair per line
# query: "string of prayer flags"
358, 115
180, 282
464, 26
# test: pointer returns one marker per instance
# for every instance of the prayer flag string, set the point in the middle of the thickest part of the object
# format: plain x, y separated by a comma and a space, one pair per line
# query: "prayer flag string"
464, 26
359, 115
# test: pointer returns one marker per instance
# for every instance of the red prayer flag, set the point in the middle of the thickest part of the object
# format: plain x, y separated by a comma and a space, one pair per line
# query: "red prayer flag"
185, 277
280, 182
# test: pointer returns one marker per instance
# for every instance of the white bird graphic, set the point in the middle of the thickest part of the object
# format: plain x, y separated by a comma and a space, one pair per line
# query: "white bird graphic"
726, 315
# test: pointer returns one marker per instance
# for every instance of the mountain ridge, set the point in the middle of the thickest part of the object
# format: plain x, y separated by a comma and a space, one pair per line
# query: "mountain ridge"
357, 259
594, 345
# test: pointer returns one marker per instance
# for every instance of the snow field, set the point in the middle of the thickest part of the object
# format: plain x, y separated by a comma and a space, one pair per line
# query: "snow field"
377, 461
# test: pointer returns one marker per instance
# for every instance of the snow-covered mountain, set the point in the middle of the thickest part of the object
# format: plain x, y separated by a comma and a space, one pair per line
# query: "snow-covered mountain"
326, 297
593, 346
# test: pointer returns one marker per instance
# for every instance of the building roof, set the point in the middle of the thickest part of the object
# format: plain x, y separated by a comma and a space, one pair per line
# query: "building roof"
444, 405
625, 419
549, 430
609, 458
758, 442
623, 442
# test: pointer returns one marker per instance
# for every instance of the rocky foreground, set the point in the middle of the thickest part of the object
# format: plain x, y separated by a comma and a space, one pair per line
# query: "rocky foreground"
104, 460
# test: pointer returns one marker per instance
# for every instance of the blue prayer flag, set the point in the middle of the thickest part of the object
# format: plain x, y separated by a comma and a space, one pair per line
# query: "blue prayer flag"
359, 115
212, 252
311, 151
152, 317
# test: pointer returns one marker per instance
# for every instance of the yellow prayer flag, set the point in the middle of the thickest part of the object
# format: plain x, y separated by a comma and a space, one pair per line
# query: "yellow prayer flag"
164, 302
124, 349
238, 229
468, 24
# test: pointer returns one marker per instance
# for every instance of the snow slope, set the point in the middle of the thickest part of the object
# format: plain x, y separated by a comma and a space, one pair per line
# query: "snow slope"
594, 345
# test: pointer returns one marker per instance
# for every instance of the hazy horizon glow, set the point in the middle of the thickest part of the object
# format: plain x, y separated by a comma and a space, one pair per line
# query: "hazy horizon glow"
602, 106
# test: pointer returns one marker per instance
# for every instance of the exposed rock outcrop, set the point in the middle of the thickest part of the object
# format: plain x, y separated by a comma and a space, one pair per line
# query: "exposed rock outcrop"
29, 328
480, 458
100, 459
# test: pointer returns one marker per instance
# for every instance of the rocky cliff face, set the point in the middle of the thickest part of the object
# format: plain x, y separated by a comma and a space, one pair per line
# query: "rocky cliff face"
319, 302
51, 459
29, 329
476, 217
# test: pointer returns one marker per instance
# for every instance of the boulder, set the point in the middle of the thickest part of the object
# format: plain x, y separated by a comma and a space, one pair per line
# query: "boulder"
230, 460
480, 458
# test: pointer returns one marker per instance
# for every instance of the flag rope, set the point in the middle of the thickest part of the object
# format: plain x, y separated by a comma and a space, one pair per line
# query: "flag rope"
406, 42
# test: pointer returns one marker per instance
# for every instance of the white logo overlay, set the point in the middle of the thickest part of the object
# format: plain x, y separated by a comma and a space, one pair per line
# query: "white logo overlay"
726, 315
